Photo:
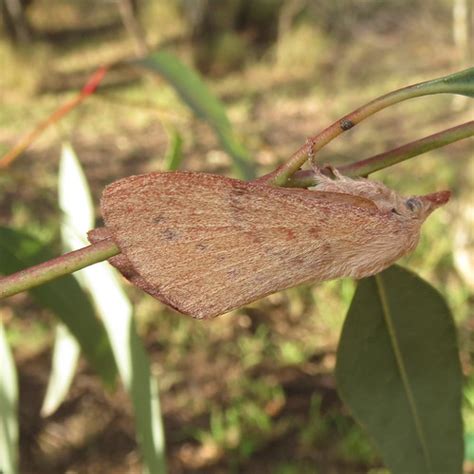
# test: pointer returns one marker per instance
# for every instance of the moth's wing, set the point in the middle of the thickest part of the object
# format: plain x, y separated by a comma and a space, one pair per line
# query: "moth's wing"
205, 244
121, 262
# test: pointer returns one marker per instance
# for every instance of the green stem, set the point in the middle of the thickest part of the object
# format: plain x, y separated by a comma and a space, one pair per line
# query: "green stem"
305, 179
57, 267
459, 83
405, 152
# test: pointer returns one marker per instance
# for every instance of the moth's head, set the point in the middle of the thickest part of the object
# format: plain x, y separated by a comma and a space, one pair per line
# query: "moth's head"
416, 208
419, 207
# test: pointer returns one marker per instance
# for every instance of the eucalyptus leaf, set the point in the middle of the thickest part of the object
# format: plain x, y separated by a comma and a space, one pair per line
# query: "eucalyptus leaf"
194, 92
398, 370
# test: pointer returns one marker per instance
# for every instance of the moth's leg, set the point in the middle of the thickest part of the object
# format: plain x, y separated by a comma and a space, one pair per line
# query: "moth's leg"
317, 169
321, 173
335, 172
320, 177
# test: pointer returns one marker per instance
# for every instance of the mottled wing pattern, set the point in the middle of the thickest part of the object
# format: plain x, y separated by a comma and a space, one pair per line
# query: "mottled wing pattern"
206, 244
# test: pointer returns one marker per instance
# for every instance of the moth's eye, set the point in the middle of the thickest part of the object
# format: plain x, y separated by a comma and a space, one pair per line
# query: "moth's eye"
413, 204
394, 211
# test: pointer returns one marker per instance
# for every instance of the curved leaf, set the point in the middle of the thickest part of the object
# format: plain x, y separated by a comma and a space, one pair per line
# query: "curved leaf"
66, 353
174, 152
63, 296
132, 361
194, 92
398, 370
8, 408
75, 202
76, 219
116, 313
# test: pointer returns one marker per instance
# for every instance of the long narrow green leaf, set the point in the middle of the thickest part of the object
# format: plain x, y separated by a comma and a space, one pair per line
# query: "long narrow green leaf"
132, 362
77, 217
75, 202
63, 296
8, 408
174, 152
398, 370
116, 312
66, 352
194, 92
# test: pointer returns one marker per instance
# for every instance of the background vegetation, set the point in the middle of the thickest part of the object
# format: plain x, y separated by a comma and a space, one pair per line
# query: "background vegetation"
252, 391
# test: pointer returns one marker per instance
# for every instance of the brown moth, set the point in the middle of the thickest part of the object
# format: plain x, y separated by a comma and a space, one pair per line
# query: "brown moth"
206, 244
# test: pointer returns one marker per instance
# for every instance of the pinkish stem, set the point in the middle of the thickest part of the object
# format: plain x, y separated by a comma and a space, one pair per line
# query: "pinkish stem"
57, 267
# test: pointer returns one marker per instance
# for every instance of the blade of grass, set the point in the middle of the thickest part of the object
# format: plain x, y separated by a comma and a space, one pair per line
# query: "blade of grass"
8, 408
76, 219
63, 366
116, 312
195, 93
174, 152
